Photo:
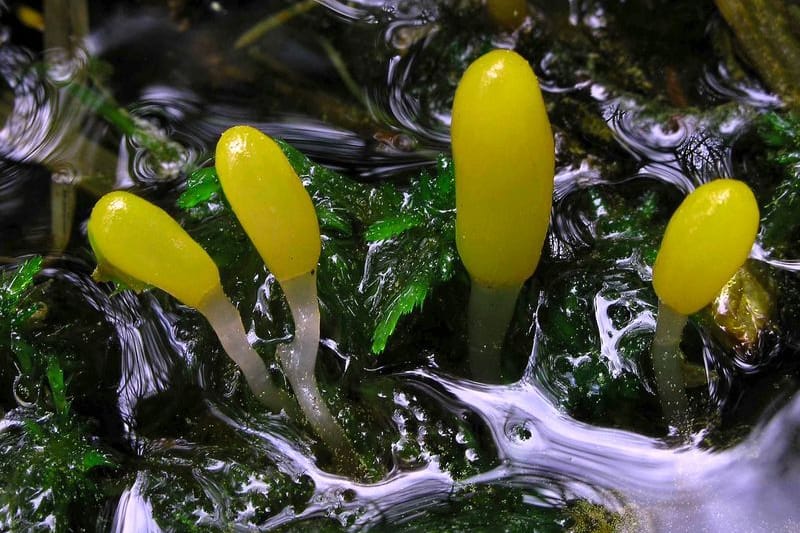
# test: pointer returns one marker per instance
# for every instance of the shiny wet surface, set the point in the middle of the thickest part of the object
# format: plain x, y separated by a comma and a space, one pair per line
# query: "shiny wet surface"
366, 88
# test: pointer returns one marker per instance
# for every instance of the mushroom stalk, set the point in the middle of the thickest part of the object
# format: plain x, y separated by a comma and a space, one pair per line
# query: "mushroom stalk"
490, 312
667, 357
227, 324
299, 360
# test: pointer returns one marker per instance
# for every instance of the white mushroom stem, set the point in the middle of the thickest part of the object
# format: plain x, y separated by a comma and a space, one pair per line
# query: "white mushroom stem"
667, 357
227, 324
299, 360
490, 311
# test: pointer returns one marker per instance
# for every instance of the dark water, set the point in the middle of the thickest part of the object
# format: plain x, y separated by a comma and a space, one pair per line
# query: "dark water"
366, 88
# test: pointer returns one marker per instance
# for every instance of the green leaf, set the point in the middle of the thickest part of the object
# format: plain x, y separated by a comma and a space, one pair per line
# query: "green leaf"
24, 352
15, 310
776, 130
410, 297
167, 155
401, 274
330, 219
329, 189
55, 378
93, 459
411, 253
392, 227
23, 278
201, 186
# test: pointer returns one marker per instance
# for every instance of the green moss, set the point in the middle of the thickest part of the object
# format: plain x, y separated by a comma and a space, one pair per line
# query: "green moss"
47, 467
590, 518
780, 219
408, 241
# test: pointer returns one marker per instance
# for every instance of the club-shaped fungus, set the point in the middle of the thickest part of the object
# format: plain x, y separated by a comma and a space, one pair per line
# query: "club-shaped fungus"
504, 165
140, 245
276, 212
706, 241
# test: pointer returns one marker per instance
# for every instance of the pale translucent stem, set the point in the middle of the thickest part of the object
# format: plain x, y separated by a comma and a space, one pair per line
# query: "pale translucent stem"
490, 311
227, 324
62, 206
299, 359
667, 366
66, 23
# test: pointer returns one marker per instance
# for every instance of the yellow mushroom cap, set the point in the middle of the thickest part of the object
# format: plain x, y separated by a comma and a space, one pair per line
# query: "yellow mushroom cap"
707, 239
504, 164
508, 13
139, 244
269, 200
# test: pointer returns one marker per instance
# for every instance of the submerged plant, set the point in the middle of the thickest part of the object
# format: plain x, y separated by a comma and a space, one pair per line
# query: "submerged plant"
504, 163
138, 245
277, 214
706, 241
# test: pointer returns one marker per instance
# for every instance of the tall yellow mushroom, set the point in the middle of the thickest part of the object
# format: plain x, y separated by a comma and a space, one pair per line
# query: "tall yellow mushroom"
706, 241
276, 212
504, 165
138, 244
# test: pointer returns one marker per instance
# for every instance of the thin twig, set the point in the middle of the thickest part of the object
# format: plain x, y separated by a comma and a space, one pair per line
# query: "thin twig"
273, 21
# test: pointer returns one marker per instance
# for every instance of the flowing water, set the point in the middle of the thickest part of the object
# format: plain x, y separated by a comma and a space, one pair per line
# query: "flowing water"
365, 87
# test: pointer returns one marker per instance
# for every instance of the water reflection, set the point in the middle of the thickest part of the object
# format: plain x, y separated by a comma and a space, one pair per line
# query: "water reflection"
134, 512
557, 459
149, 349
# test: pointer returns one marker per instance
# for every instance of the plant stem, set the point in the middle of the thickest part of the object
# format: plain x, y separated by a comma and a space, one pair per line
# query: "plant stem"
66, 24
490, 311
273, 21
667, 357
62, 205
299, 360
227, 324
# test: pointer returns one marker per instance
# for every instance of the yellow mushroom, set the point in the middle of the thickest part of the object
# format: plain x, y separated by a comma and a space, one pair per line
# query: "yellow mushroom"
139, 245
275, 210
509, 14
706, 241
504, 164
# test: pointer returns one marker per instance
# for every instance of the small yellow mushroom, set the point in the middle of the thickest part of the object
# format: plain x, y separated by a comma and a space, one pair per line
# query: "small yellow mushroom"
30, 17
275, 210
504, 164
706, 241
509, 14
139, 245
